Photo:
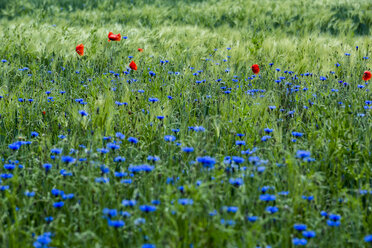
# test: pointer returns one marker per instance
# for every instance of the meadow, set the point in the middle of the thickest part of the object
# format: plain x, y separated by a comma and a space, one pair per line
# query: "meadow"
193, 146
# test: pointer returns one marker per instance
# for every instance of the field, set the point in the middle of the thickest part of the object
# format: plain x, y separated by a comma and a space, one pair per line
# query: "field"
191, 147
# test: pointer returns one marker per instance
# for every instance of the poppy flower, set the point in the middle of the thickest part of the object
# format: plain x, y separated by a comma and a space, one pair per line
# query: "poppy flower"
367, 75
255, 69
44, 112
114, 37
133, 66
140, 50
80, 49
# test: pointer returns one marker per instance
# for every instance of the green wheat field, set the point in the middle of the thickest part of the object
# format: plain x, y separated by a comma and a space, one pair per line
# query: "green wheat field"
239, 123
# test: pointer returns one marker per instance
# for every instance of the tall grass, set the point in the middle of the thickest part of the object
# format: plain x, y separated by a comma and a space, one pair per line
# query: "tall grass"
301, 36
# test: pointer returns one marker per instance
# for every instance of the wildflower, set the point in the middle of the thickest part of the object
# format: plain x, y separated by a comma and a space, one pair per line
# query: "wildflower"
297, 241
267, 197
255, 69
140, 50
368, 238
148, 246
34, 134
207, 161
80, 49
83, 113
297, 134
300, 227
133, 140
68, 159
58, 204
116, 223
240, 143
272, 209
114, 37
128, 203
302, 154
185, 201
47, 167
147, 208
133, 66
252, 218
367, 75
308, 234
266, 138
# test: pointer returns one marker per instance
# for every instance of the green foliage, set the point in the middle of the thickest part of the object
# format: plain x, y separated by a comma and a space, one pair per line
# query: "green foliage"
301, 36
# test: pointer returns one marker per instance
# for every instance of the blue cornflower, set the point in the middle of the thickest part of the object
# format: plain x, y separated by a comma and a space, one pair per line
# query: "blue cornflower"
34, 134
48, 219
126, 181
119, 159
232, 209
297, 241
227, 222
153, 158
58, 204
333, 223
267, 197
297, 134
240, 143
147, 208
334, 217
133, 140
116, 223
187, 149
148, 246
207, 161
29, 194
112, 146
83, 113
265, 138
56, 151
68, 159
252, 218
368, 238
300, 227
302, 154
47, 167
236, 181
128, 203
68, 196
308, 234
9, 167
139, 168
102, 180
120, 135
169, 138
43, 240
185, 201
6, 175
14, 146
268, 130
272, 209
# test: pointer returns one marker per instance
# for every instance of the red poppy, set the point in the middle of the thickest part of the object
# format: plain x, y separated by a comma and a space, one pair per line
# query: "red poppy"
80, 49
44, 112
367, 75
140, 50
255, 69
114, 37
133, 66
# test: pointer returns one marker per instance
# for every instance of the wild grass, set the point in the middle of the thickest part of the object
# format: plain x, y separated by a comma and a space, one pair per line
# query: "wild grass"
299, 36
